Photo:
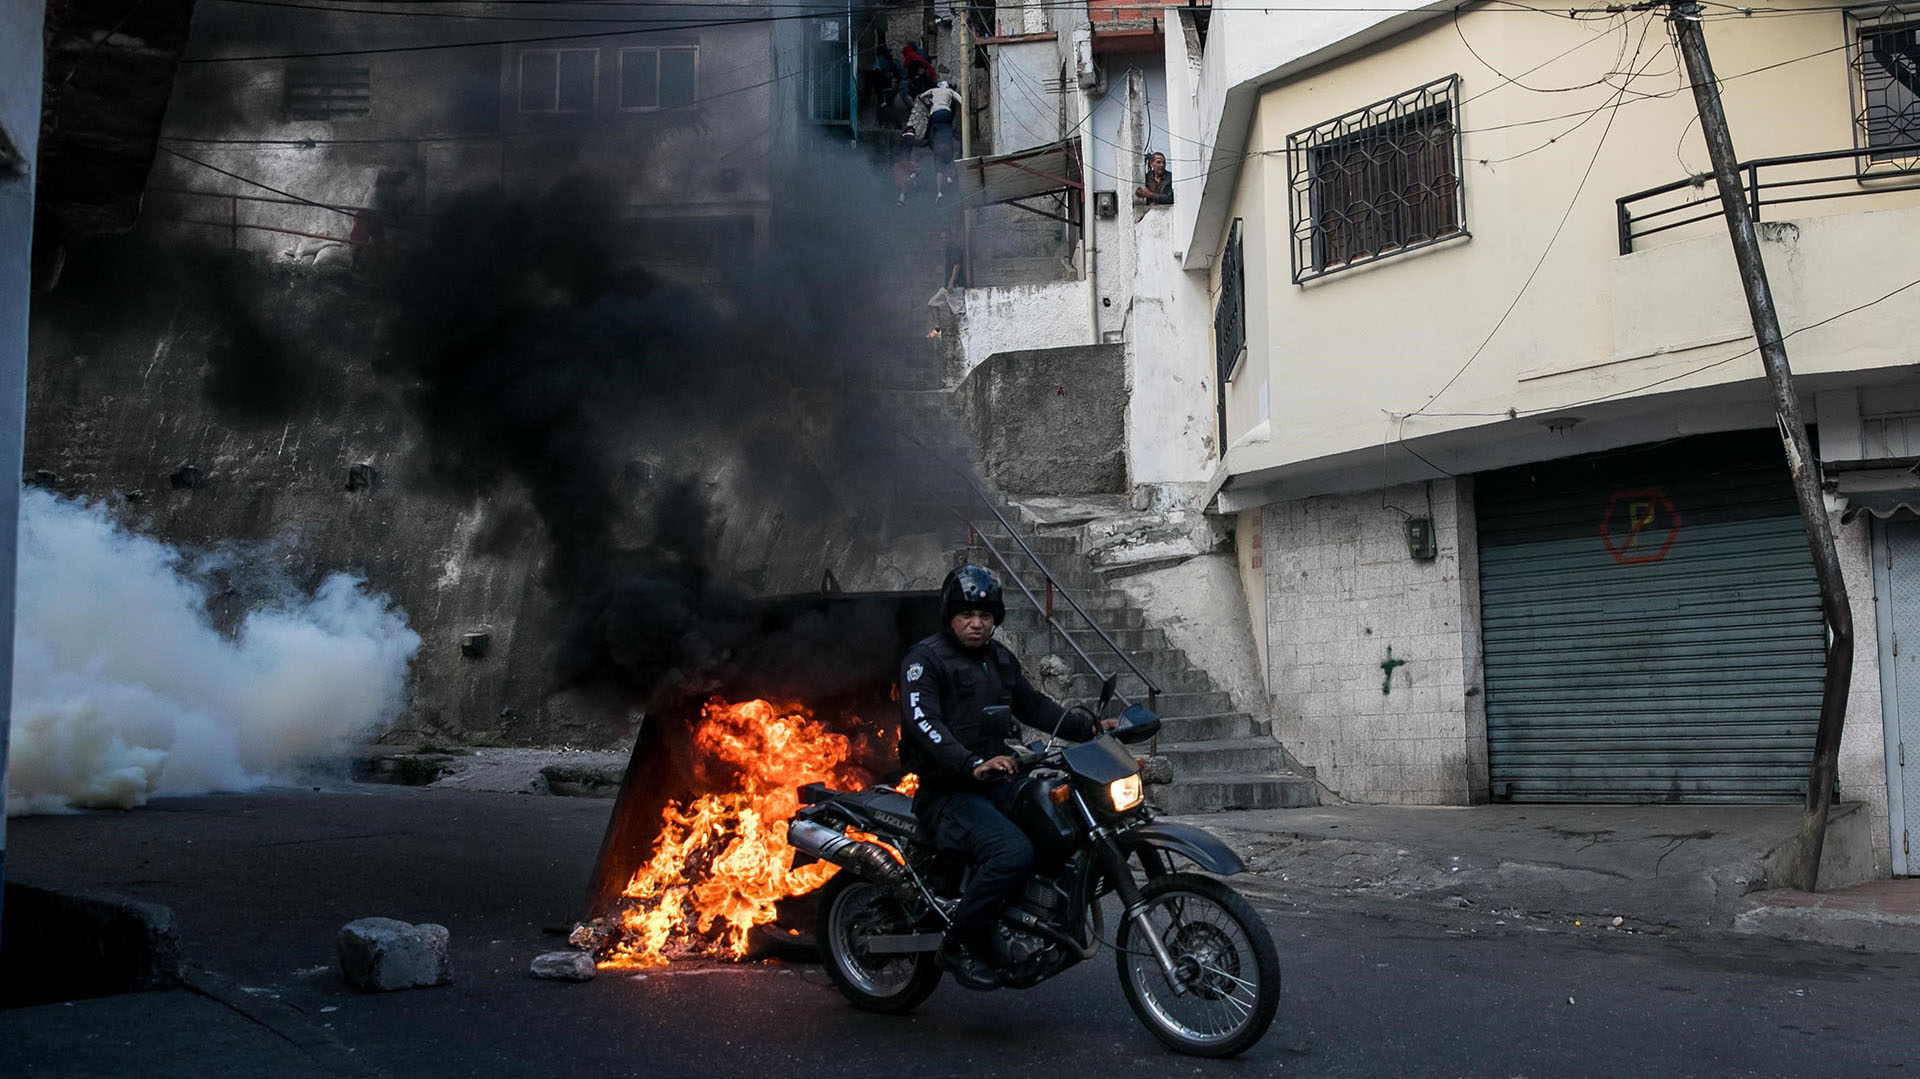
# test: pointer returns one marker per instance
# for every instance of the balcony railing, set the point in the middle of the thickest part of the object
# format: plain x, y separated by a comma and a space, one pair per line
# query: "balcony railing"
1769, 181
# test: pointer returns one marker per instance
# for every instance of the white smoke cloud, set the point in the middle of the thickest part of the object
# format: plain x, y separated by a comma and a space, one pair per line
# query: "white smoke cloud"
123, 688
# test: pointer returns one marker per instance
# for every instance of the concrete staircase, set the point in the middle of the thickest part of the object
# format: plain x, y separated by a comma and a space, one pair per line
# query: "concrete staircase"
1221, 758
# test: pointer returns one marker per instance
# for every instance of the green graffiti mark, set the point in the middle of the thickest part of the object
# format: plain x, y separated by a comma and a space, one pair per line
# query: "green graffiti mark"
1386, 667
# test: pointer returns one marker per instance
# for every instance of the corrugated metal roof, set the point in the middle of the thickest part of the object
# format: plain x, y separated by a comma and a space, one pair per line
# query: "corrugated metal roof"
1022, 174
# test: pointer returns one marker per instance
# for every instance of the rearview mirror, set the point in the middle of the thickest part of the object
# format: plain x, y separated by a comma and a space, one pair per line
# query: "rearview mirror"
1137, 724
1106, 693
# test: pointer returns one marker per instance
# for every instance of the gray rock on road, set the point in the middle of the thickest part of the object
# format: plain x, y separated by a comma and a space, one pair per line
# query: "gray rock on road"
380, 955
564, 966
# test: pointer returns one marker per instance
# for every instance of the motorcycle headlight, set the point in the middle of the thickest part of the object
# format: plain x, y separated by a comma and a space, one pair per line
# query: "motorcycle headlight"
1126, 793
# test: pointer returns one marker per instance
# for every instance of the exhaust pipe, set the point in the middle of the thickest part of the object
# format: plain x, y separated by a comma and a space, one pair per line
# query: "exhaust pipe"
869, 861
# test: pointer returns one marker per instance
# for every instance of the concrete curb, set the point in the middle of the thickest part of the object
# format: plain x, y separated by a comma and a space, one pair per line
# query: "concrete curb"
71, 944
289, 1023
1866, 931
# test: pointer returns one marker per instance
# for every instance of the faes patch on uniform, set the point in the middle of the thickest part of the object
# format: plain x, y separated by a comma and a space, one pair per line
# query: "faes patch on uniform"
914, 671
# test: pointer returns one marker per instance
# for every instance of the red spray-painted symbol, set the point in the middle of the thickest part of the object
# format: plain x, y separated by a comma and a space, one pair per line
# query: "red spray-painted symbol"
1639, 526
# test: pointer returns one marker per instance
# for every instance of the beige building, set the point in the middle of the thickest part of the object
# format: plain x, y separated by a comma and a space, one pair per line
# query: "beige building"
1513, 520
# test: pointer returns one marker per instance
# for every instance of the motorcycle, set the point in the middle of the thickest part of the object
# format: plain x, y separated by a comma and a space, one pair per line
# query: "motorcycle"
1196, 962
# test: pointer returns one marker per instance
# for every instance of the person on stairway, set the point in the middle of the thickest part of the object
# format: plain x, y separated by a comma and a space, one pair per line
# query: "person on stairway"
943, 105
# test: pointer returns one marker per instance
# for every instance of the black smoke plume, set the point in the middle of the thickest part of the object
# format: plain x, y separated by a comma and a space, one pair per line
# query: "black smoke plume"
542, 351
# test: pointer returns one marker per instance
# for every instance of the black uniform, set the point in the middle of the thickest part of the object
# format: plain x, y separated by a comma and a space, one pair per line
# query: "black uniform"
945, 734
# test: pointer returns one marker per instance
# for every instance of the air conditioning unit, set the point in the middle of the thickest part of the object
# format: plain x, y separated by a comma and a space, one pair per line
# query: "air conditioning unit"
1106, 204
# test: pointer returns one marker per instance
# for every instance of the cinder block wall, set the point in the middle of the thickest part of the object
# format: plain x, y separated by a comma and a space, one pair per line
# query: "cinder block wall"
1123, 14
1375, 656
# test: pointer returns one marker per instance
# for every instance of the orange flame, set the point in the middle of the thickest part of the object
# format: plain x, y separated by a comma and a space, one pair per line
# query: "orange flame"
722, 863
869, 837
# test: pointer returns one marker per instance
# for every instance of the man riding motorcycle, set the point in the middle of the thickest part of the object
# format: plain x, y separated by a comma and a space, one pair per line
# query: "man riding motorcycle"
947, 683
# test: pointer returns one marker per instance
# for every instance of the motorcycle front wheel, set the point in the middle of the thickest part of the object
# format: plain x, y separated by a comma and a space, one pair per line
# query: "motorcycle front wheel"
851, 912
1227, 965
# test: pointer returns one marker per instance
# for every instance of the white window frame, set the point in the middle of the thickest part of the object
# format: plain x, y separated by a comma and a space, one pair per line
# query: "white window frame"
520, 83
656, 50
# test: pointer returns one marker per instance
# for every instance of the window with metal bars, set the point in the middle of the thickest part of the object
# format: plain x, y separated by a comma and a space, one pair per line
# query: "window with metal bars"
1377, 181
1884, 47
1229, 321
829, 71
327, 92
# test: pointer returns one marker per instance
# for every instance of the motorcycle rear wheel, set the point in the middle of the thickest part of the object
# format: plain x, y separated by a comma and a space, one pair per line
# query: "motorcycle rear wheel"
851, 910
1230, 968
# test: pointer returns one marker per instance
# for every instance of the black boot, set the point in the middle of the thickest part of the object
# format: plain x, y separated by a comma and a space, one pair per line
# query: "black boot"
961, 960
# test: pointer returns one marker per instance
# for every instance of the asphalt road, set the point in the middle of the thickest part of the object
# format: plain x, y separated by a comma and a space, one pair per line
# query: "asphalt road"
261, 883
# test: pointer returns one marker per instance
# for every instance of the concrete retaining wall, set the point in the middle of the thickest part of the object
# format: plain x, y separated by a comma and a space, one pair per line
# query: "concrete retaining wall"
1051, 421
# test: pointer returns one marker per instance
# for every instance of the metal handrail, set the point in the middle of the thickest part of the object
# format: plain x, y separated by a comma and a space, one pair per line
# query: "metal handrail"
1870, 185
1053, 584
1153, 691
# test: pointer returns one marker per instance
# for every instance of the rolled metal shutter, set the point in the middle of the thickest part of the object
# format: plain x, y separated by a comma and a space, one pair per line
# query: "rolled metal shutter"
1651, 626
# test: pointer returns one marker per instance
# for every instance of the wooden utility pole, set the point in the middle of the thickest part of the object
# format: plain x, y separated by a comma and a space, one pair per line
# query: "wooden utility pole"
963, 79
1824, 774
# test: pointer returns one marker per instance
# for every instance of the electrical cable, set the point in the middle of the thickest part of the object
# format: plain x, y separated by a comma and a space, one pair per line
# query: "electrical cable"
1514, 80
1689, 373
828, 8
1726, 360
1505, 6
470, 16
256, 183
443, 45
309, 143
1599, 144
1719, 80
1615, 103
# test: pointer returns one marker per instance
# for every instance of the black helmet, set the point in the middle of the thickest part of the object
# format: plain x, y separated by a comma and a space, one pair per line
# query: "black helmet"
971, 588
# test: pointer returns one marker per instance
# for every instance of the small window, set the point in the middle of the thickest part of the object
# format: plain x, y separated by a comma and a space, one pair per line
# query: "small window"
659, 78
1378, 181
1230, 312
1229, 323
1885, 48
559, 80
332, 92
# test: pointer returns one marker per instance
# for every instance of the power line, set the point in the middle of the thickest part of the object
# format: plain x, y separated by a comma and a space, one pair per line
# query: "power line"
1514, 80
255, 183
828, 8
442, 45
292, 5
1689, 373
1506, 6
1615, 103
1721, 362
1722, 79
309, 143
1551, 240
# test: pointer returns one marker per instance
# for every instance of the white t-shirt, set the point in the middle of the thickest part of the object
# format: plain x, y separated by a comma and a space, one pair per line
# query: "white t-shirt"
941, 97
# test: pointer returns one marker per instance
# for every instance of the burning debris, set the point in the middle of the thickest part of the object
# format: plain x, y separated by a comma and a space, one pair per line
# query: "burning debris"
721, 863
